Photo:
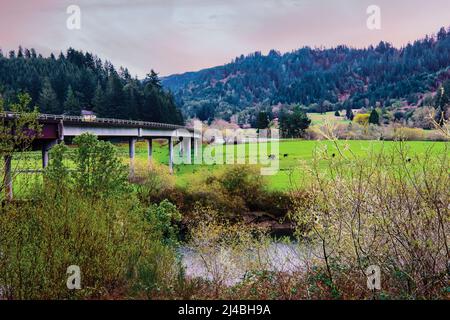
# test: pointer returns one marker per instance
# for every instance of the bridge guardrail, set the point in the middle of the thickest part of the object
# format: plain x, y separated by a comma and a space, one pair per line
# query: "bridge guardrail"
80, 119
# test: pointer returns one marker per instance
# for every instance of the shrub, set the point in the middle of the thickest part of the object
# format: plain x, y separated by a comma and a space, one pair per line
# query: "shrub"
107, 240
162, 219
99, 170
362, 119
82, 218
374, 117
387, 209
242, 181
16, 137
404, 133
233, 190
155, 183
225, 248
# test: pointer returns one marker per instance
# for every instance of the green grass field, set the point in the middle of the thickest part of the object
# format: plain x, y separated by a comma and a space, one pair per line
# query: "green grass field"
299, 153
329, 117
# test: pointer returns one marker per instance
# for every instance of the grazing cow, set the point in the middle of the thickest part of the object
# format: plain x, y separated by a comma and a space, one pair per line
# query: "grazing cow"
286, 155
272, 157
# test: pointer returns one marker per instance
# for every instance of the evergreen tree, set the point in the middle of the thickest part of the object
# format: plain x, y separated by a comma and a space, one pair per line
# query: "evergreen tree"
99, 102
131, 96
262, 121
48, 101
293, 125
319, 76
20, 52
114, 97
153, 79
349, 113
57, 84
72, 104
374, 117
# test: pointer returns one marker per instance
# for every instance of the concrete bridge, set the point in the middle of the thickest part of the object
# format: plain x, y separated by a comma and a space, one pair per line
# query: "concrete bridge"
56, 128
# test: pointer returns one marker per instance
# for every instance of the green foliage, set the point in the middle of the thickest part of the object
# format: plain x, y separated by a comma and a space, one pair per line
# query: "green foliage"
313, 76
98, 169
293, 125
233, 192
374, 117
72, 104
161, 218
242, 181
110, 241
155, 183
361, 202
48, 101
57, 172
78, 80
17, 134
262, 121
91, 218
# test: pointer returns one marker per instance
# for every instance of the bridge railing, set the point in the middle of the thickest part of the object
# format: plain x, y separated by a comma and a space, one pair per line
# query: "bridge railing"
80, 119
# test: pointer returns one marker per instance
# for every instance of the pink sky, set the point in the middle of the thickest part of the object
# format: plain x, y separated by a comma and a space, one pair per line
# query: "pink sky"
174, 36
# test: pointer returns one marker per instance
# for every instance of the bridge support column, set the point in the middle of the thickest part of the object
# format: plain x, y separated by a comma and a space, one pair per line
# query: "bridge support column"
7, 179
188, 150
44, 157
132, 150
196, 150
150, 149
194, 147
171, 155
45, 151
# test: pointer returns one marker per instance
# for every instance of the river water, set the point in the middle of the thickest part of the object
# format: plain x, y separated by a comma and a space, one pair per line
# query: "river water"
231, 267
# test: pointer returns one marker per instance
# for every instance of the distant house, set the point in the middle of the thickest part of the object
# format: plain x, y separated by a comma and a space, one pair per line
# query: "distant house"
88, 115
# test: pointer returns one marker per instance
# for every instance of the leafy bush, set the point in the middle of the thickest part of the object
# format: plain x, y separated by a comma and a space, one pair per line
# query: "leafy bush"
86, 218
391, 210
16, 136
155, 183
362, 119
162, 218
243, 181
99, 170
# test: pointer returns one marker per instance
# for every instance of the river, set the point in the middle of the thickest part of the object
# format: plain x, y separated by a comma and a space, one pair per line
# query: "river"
231, 267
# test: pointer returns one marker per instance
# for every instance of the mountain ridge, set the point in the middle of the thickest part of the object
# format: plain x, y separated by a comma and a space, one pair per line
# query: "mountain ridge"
341, 77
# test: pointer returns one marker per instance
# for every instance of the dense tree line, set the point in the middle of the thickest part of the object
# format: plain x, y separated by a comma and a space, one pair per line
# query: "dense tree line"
323, 79
78, 81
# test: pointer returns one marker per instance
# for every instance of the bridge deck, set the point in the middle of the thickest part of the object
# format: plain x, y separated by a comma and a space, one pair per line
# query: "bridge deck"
51, 118
56, 128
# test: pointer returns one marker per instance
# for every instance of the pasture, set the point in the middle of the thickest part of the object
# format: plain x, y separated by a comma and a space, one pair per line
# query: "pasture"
294, 157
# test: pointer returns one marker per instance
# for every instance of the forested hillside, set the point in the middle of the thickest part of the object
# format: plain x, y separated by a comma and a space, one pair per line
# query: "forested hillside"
75, 81
336, 78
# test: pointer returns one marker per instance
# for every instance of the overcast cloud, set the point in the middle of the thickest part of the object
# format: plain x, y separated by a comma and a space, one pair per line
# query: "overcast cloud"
174, 36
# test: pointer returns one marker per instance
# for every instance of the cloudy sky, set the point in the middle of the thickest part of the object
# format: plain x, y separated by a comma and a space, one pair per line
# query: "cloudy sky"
174, 36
